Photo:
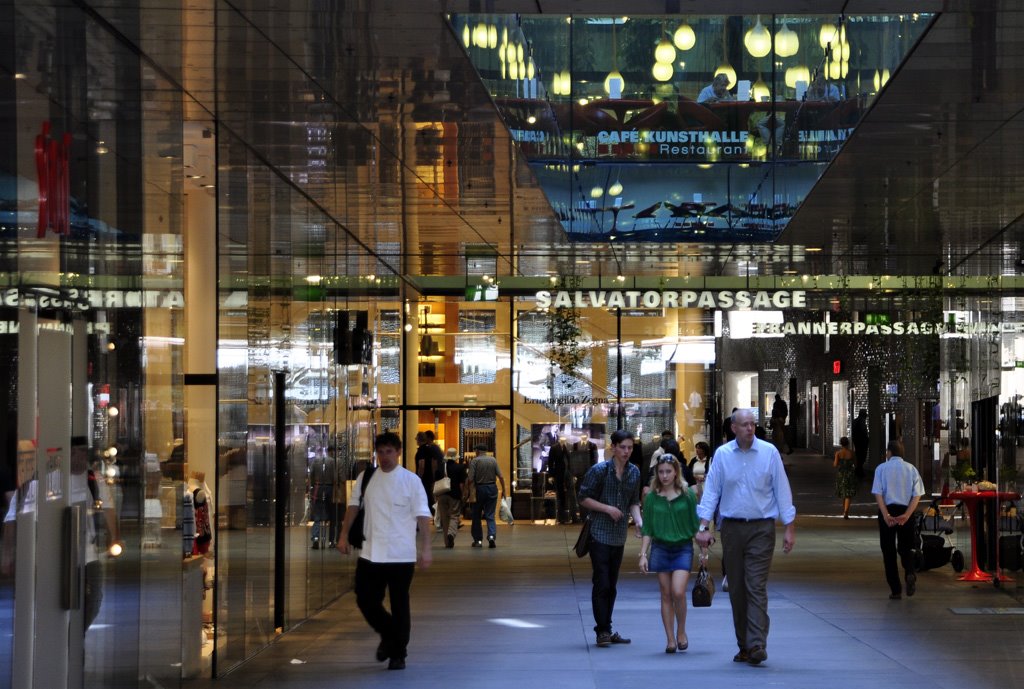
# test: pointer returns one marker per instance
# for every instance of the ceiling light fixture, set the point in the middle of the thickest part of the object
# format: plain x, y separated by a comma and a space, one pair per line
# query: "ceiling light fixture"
758, 39
787, 43
684, 37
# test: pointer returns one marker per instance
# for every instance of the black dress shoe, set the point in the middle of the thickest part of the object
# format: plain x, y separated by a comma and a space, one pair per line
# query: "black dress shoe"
382, 652
895, 596
396, 664
911, 584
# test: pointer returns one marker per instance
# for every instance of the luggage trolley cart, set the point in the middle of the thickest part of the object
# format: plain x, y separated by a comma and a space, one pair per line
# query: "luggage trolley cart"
935, 529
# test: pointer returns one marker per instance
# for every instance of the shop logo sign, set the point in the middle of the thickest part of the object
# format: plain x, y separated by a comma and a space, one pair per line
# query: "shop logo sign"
54, 182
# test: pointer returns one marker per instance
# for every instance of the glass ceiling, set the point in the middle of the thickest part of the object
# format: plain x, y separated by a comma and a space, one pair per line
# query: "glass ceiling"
623, 126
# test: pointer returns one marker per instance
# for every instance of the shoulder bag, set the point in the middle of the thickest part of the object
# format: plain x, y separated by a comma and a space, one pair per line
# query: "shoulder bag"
355, 531
703, 584
582, 546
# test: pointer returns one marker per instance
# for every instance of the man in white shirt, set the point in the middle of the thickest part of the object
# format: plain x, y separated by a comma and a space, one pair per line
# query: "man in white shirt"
897, 489
748, 485
717, 91
395, 508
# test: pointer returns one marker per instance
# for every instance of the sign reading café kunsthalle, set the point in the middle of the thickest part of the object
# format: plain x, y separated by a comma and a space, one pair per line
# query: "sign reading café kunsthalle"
672, 299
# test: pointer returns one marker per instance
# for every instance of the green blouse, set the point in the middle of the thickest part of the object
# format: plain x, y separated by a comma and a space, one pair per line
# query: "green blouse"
671, 521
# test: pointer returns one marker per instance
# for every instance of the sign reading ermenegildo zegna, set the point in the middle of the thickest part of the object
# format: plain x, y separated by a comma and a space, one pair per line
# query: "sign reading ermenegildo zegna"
672, 299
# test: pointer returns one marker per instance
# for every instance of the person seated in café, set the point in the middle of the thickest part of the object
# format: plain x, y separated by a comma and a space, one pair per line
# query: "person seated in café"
821, 90
717, 91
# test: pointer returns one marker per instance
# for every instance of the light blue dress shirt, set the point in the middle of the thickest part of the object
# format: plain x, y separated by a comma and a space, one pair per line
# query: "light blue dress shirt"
747, 484
897, 481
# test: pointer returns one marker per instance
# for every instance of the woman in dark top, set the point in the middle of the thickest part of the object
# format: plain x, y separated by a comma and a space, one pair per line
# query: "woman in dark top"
670, 521
700, 465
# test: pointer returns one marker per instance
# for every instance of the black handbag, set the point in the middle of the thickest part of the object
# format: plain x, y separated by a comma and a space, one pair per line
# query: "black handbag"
582, 546
703, 585
355, 530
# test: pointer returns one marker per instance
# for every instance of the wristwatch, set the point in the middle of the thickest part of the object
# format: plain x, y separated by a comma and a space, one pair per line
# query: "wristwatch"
703, 528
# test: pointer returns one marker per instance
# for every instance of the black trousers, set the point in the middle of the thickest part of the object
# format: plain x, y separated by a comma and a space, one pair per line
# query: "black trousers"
896, 540
606, 561
372, 579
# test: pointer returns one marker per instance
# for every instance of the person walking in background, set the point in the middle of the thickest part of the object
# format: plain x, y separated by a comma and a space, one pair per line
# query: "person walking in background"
669, 524
395, 511
897, 488
748, 485
699, 465
449, 504
483, 473
780, 412
609, 491
429, 458
860, 440
846, 479
727, 432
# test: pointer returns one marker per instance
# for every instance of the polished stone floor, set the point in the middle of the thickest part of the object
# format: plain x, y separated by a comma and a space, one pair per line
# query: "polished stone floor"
519, 616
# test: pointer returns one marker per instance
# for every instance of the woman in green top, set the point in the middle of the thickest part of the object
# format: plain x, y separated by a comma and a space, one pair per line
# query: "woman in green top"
670, 521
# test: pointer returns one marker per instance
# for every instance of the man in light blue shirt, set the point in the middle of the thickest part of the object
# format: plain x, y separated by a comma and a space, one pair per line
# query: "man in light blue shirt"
897, 489
748, 485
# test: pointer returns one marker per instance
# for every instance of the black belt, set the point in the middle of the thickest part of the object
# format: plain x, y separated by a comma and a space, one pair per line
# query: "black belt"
748, 521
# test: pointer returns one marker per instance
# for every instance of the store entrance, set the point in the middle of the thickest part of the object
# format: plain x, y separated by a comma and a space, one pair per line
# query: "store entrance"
50, 514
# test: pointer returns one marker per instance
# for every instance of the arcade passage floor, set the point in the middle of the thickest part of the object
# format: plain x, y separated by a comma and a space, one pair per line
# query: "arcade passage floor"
519, 617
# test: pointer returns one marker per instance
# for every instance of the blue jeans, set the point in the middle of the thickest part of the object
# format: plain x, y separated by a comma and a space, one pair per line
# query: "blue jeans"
606, 561
486, 500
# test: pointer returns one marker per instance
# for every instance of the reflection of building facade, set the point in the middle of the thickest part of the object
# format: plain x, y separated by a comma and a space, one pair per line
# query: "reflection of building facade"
266, 257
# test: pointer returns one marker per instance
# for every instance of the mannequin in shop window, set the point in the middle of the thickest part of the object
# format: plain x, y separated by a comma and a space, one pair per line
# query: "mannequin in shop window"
558, 468
203, 507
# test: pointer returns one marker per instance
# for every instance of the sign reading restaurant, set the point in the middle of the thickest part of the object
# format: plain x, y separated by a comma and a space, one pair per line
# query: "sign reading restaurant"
672, 299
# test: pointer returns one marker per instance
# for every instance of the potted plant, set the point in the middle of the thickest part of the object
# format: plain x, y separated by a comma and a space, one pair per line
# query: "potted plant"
963, 473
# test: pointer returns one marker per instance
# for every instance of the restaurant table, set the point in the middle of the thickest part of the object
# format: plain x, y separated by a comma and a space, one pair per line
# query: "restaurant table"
970, 499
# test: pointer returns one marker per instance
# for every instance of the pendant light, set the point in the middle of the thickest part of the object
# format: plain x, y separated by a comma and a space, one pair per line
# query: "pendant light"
760, 90
466, 38
614, 74
684, 38
826, 35
758, 40
797, 73
662, 71
787, 43
665, 52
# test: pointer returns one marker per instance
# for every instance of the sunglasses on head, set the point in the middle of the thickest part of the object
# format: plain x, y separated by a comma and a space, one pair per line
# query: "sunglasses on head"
666, 460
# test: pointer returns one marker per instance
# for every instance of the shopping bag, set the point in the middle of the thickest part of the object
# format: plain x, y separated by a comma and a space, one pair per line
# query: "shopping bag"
505, 513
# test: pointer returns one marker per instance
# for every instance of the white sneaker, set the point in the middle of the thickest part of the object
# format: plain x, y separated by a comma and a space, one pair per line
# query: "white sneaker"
725, 584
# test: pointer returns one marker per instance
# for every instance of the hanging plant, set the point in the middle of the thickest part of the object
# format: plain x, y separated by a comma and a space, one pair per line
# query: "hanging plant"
566, 332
